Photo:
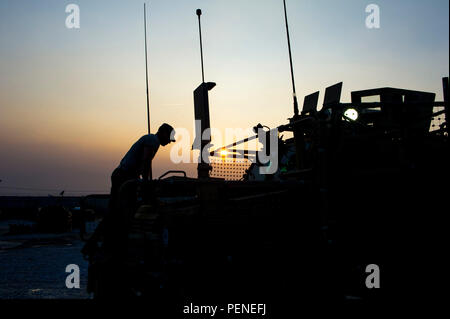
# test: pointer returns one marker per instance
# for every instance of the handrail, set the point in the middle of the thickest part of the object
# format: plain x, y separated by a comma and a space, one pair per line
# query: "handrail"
172, 171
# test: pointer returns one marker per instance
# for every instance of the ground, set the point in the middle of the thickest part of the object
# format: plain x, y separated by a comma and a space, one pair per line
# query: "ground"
32, 266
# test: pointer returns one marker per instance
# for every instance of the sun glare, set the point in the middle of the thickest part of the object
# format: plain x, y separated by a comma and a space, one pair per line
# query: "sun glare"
223, 153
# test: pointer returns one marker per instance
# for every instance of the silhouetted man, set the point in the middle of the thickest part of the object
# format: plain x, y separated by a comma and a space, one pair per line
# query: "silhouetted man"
135, 163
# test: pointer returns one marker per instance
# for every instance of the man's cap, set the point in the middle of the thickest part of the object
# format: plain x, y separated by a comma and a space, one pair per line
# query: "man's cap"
168, 129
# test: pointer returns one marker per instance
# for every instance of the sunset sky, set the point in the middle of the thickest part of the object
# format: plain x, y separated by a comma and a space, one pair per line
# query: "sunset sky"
72, 101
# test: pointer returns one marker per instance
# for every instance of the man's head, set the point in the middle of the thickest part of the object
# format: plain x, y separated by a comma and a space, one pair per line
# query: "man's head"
166, 134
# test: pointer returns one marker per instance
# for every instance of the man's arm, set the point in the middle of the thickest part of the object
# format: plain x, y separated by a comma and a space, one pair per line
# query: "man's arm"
146, 162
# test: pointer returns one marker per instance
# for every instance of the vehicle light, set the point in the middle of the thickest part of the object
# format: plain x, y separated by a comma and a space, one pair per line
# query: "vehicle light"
351, 114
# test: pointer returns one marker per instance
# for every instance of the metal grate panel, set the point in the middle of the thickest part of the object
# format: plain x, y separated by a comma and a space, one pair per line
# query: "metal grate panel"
229, 169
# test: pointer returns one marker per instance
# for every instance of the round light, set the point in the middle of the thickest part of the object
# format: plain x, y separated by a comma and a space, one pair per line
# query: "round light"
351, 114
223, 153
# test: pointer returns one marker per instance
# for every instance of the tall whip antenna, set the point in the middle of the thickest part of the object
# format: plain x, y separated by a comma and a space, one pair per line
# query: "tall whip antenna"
150, 174
146, 70
290, 61
199, 13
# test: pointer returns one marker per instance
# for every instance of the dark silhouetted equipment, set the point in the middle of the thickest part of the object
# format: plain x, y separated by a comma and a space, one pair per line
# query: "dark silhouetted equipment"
310, 104
446, 102
332, 95
201, 107
358, 183
411, 110
201, 104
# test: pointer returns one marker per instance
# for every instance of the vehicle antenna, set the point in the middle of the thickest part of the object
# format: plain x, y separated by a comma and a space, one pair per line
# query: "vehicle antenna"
199, 13
290, 61
150, 173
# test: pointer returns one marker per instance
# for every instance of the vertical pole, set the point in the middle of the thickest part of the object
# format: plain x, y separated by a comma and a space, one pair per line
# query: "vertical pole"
146, 85
199, 13
298, 133
146, 71
290, 61
201, 106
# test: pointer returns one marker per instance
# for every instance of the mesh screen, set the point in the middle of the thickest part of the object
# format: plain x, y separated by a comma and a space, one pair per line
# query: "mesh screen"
229, 169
